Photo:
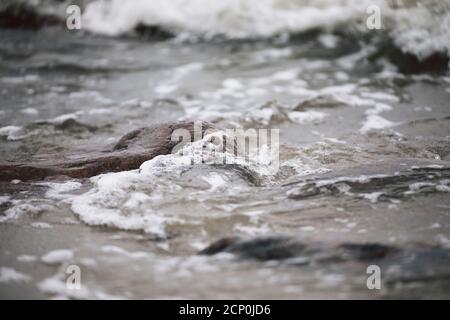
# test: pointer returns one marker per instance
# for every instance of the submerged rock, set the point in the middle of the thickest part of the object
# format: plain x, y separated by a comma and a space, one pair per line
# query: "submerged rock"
399, 266
279, 248
22, 16
152, 32
128, 153
379, 181
408, 63
411, 64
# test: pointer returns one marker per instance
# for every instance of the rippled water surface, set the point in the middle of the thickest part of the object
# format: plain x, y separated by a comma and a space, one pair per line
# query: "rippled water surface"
364, 158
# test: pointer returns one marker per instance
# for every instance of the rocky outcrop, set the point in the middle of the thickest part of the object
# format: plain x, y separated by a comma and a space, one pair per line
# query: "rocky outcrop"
128, 153
22, 16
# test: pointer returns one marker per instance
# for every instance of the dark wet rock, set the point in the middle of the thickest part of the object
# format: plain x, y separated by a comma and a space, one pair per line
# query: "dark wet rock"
22, 16
25, 172
281, 248
366, 251
419, 264
73, 125
412, 264
128, 153
399, 179
220, 246
441, 148
154, 33
409, 63
378, 46
323, 102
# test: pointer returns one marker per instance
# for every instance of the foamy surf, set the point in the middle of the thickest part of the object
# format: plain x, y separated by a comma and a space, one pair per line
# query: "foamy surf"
139, 199
420, 28
234, 19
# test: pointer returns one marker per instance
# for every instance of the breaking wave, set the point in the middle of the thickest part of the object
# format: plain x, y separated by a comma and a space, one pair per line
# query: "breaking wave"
155, 195
421, 28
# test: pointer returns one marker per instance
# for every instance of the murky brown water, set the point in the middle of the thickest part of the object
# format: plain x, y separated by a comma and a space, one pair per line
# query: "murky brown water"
364, 158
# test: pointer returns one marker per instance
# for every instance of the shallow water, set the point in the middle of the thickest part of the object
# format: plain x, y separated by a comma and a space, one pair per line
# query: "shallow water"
364, 157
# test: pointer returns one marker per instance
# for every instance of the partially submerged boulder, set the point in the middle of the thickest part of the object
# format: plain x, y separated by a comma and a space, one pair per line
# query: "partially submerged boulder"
23, 16
280, 248
128, 153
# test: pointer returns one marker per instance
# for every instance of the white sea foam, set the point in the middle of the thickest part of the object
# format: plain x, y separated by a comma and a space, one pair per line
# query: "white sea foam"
252, 230
215, 180
11, 132
19, 80
373, 196
30, 111
234, 18
56, 286
121, 251
175, 76
23, 207
57, 256
375, 122
57, 190
64, 117
134, 200
421, 29
26, 258
4, 199
41, 225
306, 116
11, 275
